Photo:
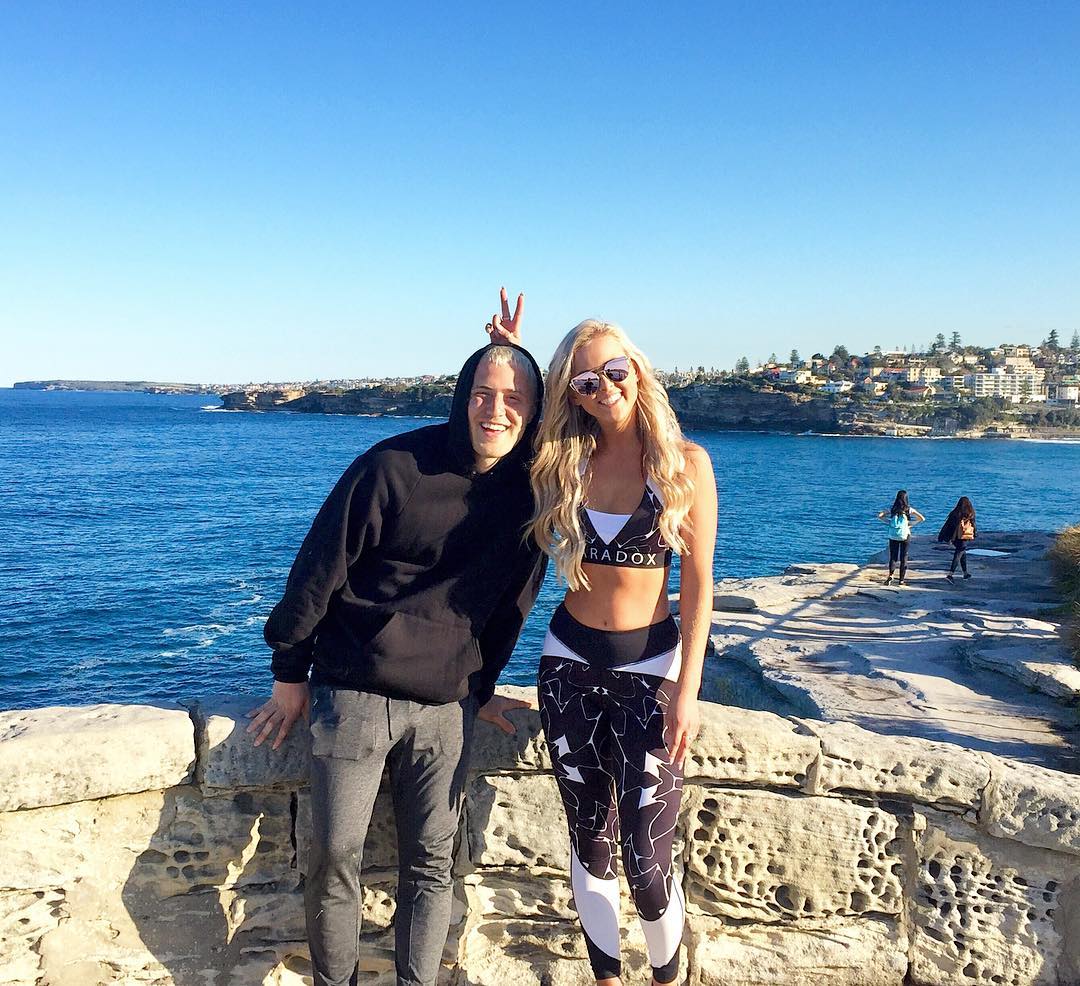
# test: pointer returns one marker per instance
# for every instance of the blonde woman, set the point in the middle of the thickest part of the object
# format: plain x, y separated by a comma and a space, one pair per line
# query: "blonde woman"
617, 490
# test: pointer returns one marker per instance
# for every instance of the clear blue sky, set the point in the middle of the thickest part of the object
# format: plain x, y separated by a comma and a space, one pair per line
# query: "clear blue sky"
227, 191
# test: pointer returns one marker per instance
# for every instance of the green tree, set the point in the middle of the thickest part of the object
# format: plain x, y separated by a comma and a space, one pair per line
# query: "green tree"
939, 343
954, 342
743, 365
772, 359
1052, 341
793, 359
840, 353
1075, 344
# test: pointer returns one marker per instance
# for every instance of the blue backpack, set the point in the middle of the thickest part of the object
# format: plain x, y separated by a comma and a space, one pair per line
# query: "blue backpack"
899, 527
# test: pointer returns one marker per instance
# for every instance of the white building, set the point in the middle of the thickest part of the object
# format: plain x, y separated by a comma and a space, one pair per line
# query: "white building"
1063, 393
836, 387
1016, 386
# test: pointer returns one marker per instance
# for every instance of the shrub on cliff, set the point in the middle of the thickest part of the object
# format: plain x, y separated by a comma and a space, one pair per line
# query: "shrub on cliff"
1064, 557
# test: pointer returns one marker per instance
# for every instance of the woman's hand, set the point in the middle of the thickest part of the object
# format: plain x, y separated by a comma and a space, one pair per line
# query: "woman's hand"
506, 328
682, 722
495, 709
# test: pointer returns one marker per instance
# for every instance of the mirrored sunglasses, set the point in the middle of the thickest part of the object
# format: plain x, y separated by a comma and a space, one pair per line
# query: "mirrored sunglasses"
587, 383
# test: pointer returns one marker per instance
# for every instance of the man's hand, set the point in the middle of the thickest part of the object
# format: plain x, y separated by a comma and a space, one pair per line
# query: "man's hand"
287, 703
495, 712
506, 327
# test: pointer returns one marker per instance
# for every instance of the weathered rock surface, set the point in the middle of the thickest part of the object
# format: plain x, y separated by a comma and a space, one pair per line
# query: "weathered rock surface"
1033, 805
154, 845
514, 821
990, 911
864, 953
766, 857
742, 747
1045, 668
228, 756
854, 759
65, 754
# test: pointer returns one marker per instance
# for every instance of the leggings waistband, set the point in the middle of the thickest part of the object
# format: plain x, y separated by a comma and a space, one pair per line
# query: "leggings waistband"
613, 648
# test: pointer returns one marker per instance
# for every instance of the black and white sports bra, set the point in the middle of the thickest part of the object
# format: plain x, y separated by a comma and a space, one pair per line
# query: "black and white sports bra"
627, 540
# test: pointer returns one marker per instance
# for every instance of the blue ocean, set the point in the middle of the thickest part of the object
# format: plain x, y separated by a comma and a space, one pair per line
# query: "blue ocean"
146, 537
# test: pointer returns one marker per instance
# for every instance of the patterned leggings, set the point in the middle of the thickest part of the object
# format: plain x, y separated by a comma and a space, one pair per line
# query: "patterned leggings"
605, 732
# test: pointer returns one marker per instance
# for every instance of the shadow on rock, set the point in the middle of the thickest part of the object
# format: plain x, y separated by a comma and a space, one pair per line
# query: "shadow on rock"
216, 894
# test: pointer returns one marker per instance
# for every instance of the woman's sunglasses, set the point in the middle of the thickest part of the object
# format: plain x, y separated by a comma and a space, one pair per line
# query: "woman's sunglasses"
587, 383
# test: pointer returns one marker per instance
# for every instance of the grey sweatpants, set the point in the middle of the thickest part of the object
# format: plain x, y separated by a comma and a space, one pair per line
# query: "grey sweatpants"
354, 734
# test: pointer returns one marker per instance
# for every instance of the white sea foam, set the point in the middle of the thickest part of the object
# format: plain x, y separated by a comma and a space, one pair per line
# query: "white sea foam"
218, 628
87, 665
257, 598
1051, 441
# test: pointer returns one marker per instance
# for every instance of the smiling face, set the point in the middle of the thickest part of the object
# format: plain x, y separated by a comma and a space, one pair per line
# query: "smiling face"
613, 404
501, 404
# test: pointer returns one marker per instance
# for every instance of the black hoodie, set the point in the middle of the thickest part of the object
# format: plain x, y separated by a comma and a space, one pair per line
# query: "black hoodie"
415, 579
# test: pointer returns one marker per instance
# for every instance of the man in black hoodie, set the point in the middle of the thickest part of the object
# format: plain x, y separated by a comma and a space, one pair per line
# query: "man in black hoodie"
405, 602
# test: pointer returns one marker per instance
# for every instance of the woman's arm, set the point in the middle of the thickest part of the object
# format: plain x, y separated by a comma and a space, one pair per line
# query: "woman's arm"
919, 518
695, 604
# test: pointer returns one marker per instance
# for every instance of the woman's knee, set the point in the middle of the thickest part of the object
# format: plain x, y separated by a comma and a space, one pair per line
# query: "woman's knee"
651, 899
597, 857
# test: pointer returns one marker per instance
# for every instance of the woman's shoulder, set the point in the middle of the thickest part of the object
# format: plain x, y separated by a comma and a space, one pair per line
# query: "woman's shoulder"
695, 454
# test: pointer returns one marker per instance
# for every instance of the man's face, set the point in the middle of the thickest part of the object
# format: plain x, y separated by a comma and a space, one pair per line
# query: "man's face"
501, 404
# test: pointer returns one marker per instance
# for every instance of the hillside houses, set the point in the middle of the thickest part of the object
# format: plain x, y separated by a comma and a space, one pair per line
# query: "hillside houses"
1012, 373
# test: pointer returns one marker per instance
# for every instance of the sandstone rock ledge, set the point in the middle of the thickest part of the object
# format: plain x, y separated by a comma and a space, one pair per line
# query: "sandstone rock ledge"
976, 663
156, 847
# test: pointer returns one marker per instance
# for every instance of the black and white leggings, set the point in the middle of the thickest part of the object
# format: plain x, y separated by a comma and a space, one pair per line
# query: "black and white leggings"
604, 725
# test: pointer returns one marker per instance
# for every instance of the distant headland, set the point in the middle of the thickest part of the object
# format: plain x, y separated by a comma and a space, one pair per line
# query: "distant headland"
118, 386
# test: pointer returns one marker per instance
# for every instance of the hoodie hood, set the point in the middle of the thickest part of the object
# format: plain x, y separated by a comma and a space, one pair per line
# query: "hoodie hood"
462, 454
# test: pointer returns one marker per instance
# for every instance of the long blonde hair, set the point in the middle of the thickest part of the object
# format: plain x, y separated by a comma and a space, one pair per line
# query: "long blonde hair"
566, 440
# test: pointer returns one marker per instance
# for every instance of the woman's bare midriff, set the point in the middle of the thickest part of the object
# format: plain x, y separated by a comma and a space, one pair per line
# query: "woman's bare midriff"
620, 598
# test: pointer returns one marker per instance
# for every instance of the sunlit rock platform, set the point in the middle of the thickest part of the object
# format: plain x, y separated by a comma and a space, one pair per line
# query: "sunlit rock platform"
979, 663
896, 807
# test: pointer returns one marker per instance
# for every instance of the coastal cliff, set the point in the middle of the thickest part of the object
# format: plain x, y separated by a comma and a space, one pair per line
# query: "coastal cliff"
154, 845
417, 401
722, 406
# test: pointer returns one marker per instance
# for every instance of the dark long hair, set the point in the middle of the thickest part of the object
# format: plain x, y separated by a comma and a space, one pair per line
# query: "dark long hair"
900, 505
964, 510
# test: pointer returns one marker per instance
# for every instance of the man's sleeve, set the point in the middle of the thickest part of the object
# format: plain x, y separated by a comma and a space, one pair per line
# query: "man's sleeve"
350, 521
502, 629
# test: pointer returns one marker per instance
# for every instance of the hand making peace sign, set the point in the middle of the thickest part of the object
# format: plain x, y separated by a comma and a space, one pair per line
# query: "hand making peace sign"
506, 328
